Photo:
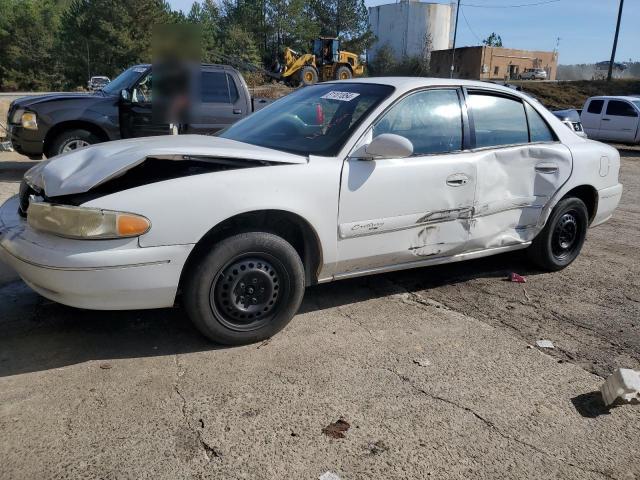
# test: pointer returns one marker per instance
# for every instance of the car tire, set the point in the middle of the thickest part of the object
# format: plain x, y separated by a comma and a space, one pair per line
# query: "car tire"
560, 241
308, 75
343, 73
71, 140
246, 289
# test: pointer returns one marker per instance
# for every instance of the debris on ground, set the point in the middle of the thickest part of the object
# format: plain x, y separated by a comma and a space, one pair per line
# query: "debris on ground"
329, 476
622, 385
105, 366
545, 344
376, 448
423, 362
337, 428
6, 147
514, 277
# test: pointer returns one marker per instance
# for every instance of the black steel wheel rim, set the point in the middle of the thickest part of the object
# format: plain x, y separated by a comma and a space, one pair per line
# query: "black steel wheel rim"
246, 293
566, 235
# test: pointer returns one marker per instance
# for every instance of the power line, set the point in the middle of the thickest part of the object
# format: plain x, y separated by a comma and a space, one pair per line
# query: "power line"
511, 6
469, 26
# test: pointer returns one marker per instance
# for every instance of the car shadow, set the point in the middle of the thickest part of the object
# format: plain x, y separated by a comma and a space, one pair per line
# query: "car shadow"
12, 171
37, 334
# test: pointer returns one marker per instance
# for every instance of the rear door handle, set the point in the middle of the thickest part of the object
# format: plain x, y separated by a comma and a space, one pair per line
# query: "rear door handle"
547, 168
606, 119
457, 180
237, 111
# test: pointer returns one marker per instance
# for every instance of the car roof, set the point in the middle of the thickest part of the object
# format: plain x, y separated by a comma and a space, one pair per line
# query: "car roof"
615, 97
410, 83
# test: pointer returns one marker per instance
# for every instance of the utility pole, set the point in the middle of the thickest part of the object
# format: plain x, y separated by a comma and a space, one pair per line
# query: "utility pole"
615, 43
455, 33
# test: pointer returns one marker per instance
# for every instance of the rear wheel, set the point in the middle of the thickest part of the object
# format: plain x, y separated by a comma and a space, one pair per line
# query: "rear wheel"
343, 73
562, 238
246, 289
70, 140
308, 75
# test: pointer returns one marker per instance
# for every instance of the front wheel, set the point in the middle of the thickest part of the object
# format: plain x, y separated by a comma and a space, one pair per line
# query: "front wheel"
308, 75
246, 289
560, 241
70, 140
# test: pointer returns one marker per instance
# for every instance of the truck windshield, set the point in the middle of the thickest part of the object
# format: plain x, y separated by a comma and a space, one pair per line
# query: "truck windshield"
124, 80
314, 120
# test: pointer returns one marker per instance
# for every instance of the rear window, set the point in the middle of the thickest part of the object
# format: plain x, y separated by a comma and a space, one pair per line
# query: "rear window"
218, 87
621, 109
595, 106
498, 120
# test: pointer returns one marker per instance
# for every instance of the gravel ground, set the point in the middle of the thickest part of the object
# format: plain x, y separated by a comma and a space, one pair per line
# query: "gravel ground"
427, 373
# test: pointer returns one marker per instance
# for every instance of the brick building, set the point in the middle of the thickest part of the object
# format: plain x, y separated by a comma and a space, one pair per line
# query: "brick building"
492, 63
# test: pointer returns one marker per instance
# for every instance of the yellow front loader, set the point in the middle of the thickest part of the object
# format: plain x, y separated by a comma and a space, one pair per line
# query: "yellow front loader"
327, 62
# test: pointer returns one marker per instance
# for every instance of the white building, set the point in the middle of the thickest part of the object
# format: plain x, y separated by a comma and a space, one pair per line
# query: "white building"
410, 27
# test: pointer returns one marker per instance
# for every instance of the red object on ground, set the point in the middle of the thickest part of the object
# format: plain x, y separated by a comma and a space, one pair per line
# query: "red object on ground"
514, 277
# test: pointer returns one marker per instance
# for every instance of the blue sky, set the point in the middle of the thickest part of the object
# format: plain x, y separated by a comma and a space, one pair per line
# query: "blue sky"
585, 27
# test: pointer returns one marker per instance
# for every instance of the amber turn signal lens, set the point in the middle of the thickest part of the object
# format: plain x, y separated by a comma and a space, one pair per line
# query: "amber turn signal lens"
132, 225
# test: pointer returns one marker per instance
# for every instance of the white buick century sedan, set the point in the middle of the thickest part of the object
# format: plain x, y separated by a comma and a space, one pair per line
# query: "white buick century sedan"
336, 180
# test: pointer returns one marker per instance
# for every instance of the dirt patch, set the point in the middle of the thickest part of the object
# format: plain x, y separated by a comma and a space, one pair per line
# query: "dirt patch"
561, 95
337, 429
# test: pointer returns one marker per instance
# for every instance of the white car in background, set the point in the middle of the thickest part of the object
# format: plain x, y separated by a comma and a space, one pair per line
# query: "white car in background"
333, 181
534, 74
612, 118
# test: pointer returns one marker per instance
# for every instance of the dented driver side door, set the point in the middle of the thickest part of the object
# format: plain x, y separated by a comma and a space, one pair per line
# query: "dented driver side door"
401, 210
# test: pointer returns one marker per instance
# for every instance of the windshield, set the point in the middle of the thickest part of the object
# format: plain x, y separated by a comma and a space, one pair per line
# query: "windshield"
314, 120
636, 103
124, 80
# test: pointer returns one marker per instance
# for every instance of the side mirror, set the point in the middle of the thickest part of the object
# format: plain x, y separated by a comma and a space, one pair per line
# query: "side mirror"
387, 145
125, 95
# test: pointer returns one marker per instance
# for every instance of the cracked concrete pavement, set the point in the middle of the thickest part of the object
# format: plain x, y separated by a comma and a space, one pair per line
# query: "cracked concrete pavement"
433, 370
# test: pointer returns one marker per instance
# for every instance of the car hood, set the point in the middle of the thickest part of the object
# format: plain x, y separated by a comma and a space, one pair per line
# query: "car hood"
81, 170
34, 100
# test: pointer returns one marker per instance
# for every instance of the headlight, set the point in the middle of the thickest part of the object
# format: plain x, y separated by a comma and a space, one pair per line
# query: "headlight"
29, 121
17, 116
85, 223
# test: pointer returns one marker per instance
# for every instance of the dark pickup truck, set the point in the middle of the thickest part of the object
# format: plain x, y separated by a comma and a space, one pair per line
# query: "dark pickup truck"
56, 123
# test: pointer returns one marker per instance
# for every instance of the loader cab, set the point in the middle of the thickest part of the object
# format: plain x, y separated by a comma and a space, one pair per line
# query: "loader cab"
326, 50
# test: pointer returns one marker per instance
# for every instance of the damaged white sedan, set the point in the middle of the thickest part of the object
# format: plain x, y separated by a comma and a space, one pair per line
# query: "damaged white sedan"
333, 181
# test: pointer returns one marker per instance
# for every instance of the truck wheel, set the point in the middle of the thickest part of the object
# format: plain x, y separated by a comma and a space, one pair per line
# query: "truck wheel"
562, 238
343, 73
70, 140
308, 75
246, 289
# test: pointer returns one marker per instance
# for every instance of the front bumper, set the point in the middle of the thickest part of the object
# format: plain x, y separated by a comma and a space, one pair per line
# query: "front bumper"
26, 142
93, 274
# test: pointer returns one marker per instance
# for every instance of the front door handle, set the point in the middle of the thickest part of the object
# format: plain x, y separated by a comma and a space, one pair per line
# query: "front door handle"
457, 180
237, 111
606, 119
547, 168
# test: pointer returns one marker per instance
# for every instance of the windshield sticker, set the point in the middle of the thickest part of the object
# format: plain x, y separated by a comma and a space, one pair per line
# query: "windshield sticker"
342, 96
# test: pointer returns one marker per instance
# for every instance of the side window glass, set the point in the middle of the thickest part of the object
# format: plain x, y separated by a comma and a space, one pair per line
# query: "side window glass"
538, 129
143, 92
595, 106
233, 90
498, 120
620, 109
431, 120
214, 87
